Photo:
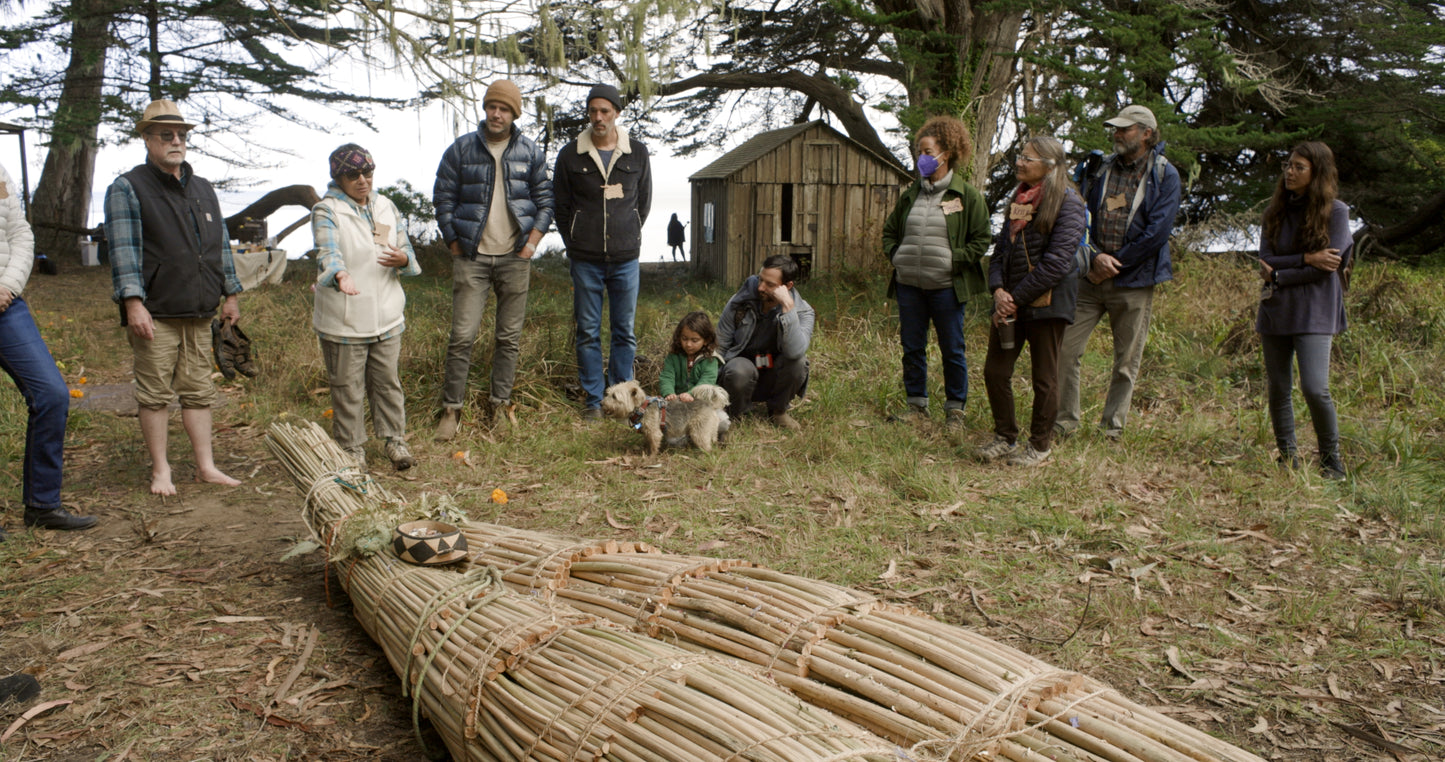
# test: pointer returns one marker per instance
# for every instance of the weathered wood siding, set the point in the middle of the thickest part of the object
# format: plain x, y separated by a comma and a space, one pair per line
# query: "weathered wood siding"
818, 197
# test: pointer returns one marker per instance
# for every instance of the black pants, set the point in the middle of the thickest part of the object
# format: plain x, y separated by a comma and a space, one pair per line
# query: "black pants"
746, 383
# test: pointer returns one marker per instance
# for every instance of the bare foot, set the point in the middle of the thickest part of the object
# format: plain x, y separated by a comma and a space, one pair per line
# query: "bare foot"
161, 481
214, 476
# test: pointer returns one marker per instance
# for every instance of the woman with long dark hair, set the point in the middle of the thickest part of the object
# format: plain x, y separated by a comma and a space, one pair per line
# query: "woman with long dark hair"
1305, 245
1035, 287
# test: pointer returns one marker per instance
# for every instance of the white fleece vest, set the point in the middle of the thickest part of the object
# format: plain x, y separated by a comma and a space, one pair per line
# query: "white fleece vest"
379, 306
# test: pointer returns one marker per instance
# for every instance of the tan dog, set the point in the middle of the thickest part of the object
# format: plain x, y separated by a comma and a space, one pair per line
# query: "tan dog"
674, 421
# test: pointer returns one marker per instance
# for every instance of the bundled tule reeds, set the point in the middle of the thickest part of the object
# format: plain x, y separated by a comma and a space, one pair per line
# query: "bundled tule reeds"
896, 671
524, 654
505, 676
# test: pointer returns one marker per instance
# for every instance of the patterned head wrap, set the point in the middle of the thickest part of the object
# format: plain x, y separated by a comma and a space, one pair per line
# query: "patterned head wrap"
350, 158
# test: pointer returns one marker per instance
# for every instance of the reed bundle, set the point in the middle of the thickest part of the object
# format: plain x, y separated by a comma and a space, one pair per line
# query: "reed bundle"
508, 676
894, 670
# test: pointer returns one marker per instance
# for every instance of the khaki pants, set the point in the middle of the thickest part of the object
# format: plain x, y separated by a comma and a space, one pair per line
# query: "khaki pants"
176, 363
1129, 310
360, 371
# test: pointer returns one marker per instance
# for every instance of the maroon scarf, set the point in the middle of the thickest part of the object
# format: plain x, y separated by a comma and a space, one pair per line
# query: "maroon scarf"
1024, 197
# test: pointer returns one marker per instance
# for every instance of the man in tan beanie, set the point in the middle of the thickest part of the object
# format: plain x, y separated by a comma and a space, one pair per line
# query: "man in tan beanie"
493, 204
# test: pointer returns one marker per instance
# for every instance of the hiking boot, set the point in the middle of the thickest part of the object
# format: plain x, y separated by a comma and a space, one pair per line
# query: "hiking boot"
998, 448
225, 361
592, 414
784, 421
57, 518
1062, 432
358, 454
451, 420
1331, 467
244, 363
911, 414
1288, 459
400, 457
504, 418
953, 418
1027, 456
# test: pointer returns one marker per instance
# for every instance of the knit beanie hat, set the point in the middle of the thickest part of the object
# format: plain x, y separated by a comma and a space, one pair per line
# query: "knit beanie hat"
607, 92
350, 158
505, 92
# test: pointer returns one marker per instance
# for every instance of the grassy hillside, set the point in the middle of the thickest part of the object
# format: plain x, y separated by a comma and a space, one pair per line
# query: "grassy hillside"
1181, 564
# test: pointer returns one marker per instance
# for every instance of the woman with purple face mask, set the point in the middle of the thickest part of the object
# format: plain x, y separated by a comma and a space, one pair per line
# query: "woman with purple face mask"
935, 238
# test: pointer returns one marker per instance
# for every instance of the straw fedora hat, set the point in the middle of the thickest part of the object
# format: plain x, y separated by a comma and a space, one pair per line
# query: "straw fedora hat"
162, 112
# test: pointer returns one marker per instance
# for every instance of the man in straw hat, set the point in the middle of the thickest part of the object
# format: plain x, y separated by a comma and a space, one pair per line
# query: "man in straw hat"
493, 204
170, 262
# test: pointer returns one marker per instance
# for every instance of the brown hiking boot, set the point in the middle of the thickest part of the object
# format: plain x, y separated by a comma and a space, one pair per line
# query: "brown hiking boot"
784, 421
447, 427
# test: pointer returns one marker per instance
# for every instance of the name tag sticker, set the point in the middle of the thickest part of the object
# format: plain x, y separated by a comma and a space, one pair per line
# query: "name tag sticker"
612, 191
1020, 211
1115, 202
208, 216
4, 190
952, 206
382, 234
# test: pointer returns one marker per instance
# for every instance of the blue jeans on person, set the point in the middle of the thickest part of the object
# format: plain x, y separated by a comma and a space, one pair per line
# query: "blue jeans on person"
918, 307
590, 280
1313, 353
25, 357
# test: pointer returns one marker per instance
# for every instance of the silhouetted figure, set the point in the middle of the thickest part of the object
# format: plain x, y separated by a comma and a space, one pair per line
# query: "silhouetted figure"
676, 237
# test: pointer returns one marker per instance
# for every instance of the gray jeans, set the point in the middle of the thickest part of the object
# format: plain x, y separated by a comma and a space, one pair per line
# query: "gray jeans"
1313, 351
357, 372
1129, 310
472, 279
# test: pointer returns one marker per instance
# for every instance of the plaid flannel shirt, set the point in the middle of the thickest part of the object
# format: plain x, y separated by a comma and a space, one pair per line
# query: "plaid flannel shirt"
1113, 225
124, 237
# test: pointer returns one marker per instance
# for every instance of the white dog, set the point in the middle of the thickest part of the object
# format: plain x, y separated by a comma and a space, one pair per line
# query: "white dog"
674, 421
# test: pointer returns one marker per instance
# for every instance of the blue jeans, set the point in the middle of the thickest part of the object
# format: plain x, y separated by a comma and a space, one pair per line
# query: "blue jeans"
619, 280
25, 357
916, 309
1313, 351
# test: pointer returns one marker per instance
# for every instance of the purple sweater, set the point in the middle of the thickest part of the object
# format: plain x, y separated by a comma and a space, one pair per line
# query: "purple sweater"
1308, 300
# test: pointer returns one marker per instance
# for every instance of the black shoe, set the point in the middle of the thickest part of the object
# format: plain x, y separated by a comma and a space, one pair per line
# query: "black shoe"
1288, 459
20, 688
1331, 468
57, 518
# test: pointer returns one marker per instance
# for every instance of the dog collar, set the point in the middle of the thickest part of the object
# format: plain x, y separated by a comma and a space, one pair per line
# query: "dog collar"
636, 417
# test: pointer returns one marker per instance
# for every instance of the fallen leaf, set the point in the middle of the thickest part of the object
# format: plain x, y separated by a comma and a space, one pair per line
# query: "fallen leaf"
615, 524
1260, 725
239, 619
712, 545
891, 572
1172, 655
85, 650
77, 687
582, 517
32, 713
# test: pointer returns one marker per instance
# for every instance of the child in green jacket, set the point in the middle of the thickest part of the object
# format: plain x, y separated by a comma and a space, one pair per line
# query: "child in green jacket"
693, 359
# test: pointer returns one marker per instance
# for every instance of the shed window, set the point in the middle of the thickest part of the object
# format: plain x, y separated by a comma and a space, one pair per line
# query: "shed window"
707, 222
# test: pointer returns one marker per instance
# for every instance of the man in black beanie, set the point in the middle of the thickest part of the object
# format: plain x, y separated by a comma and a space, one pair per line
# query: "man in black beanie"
603, 187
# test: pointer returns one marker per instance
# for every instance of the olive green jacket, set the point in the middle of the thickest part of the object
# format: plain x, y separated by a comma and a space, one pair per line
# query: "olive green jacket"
968, 235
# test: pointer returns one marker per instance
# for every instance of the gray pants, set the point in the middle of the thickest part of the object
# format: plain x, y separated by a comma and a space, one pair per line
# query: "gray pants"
357, 372
1129, 310
1313, 351
472, 279
777, 386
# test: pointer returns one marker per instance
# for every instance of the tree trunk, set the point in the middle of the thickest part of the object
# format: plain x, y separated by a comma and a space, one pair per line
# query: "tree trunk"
263, 207
62, 197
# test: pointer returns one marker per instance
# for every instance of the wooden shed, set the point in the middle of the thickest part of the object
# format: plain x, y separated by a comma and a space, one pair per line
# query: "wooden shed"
807, 190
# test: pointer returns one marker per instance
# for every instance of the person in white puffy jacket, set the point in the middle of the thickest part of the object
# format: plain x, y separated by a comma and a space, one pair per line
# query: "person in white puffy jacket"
27, 360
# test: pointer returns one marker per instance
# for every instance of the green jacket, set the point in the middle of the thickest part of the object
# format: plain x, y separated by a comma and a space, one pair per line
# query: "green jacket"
968, 235
676, 378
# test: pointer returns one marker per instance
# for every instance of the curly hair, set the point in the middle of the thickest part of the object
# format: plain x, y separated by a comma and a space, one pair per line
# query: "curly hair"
952, 136
700, 324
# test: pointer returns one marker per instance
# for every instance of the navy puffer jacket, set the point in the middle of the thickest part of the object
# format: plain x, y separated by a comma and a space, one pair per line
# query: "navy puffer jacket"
463, 191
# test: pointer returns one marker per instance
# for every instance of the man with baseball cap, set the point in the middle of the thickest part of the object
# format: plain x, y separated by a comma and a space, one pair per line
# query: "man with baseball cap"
1132, 197
604, 191
493, 204
170, 264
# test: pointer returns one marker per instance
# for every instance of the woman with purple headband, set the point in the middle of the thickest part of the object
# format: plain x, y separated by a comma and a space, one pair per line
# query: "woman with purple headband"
362, 252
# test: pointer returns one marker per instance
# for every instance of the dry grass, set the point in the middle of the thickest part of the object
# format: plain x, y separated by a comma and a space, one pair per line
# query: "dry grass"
1300, 619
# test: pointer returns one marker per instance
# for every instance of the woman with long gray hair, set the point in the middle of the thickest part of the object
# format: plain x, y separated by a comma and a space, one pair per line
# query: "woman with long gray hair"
1034, 285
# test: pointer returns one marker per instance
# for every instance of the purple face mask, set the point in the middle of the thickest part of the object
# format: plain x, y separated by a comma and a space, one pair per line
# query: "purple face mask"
927, 165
